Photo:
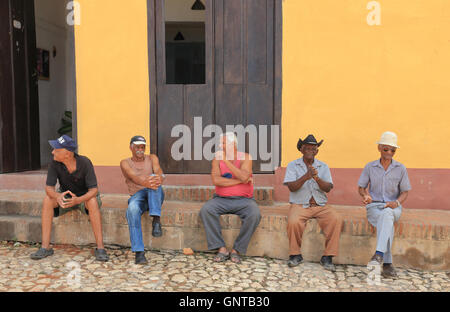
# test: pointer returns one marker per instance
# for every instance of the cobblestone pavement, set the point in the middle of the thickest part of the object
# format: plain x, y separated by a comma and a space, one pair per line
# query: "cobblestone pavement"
75, 269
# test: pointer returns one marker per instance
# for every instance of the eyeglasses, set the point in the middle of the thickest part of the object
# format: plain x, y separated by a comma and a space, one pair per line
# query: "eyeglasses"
393, 150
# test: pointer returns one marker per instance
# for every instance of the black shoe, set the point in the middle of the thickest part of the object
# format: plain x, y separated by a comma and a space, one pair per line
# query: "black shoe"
140, 258
327, 263
101, 255
295, 260
389, 271
157, 231
376, 260
41, 254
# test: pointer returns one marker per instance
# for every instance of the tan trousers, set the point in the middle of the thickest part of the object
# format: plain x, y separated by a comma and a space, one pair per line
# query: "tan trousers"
329, 221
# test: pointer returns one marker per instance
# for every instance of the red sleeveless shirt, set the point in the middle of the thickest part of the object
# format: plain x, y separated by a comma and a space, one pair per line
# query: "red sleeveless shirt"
245, 190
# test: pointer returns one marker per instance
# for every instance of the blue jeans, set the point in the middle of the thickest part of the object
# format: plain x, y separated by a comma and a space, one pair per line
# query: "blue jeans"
145, 199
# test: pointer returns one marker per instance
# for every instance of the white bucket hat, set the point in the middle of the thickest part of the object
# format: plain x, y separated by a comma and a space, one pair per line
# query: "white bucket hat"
388, 138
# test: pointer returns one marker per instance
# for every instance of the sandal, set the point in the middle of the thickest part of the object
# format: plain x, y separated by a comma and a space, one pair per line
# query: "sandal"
101, 255
221, 257
236, 258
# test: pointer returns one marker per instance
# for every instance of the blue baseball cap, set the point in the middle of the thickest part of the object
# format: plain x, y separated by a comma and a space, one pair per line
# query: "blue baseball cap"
64, 141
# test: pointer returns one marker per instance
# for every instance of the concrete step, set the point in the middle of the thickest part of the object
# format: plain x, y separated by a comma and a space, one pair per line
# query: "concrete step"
20, 228
262, 195
422, 237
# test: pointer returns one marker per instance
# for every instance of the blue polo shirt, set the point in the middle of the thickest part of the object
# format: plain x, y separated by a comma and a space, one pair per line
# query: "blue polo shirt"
385, 185
295, 170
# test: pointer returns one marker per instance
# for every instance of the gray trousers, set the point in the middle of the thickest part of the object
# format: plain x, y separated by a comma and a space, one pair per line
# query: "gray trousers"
245, 208
383, 219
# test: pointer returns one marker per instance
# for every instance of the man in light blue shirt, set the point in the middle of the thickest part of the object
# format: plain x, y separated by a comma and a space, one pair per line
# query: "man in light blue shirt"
308, 180
384, 186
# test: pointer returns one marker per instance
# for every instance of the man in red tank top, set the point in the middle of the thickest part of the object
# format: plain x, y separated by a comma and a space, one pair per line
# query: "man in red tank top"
231, 173
144, 177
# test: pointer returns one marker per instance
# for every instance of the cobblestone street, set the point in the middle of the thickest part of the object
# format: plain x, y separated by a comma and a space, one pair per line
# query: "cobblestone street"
75, 269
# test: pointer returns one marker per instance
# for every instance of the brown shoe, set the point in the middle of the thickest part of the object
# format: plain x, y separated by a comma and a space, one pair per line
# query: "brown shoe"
389, 271
376, 260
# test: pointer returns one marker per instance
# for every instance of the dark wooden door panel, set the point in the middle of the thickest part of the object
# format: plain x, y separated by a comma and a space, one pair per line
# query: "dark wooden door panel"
231, 12
245, 64
30, 34
7, 153
259, 40
178, 104
22, 114
196, 105
170, 114
18, 80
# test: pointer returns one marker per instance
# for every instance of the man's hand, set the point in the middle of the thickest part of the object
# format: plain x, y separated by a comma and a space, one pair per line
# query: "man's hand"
154, 182
391, 204
67, 202
311, 173
367, 199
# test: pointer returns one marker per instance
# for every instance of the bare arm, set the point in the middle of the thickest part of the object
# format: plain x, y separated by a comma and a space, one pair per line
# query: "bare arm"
296, 185
217, 179
129, 173
51, 192
324, 186
69, 202
367, 199
157, 170
245, 172
401, 199
403, 196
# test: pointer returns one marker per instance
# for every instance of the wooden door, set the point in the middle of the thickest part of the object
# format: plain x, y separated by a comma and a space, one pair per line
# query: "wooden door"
19, 131
243, 76
245, 34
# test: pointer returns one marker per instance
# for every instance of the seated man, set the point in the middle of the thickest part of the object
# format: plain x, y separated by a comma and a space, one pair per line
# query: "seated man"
388, 184
144, 177
78, 190
308, 180
232, 175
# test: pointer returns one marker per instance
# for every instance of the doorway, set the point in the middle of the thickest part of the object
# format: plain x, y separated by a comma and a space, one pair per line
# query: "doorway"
239, 58
37, 81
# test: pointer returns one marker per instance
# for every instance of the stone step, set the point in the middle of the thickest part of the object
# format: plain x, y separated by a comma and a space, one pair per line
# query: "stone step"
20, 228
29, 203
262, 195
422, 237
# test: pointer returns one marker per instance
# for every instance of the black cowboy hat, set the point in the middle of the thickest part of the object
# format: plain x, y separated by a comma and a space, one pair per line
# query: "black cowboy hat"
310, 139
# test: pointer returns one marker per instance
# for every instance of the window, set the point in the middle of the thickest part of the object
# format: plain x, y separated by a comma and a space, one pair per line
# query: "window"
185, 42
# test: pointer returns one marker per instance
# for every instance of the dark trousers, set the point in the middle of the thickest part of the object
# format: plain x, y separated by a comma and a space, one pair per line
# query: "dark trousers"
245, 208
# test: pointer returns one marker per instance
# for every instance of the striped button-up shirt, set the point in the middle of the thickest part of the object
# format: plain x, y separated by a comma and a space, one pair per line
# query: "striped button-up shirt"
385, 185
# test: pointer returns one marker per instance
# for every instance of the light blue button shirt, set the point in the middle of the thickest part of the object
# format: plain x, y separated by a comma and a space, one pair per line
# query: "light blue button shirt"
295, 170
385, 185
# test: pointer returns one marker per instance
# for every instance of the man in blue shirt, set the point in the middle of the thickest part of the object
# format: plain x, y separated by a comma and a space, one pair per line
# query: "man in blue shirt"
308, 180
384, 186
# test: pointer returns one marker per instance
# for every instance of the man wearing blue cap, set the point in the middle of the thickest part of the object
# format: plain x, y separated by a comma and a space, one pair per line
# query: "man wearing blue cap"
78, 190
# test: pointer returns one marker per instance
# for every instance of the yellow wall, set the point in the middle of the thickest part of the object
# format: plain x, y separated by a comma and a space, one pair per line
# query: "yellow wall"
347, 82
112, 78
343, 80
